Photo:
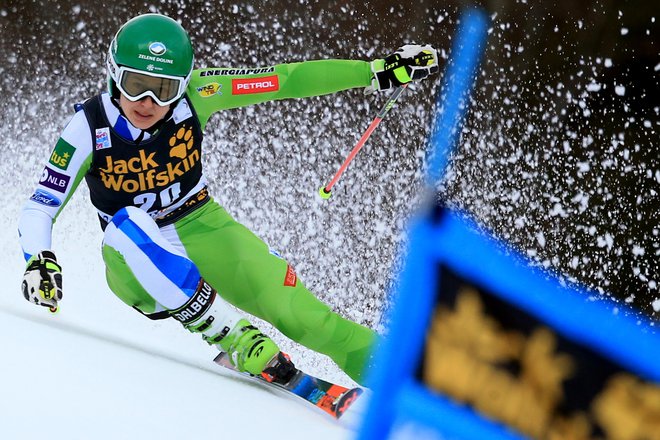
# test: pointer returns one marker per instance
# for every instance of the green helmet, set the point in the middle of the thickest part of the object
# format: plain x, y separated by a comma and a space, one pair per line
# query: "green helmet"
151, 55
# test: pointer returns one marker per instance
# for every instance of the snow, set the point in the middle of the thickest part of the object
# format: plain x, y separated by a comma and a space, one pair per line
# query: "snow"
64, 381
97, 369
540, 161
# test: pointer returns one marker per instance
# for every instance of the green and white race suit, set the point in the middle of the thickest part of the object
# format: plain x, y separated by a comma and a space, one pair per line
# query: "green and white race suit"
161, 173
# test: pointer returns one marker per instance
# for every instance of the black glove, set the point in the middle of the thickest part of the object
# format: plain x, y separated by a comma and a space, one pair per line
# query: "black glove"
42, 282
412, 62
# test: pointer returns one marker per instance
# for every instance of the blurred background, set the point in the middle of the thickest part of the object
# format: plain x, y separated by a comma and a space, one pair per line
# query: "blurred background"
558, 156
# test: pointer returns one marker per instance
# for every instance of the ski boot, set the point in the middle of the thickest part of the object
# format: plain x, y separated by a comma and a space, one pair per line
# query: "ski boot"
249, 349
207, 313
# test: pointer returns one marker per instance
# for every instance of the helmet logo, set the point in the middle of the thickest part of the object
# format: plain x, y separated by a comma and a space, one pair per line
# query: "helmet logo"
157, 48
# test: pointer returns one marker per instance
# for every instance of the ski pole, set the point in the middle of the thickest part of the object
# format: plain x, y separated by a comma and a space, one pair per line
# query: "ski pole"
324, 191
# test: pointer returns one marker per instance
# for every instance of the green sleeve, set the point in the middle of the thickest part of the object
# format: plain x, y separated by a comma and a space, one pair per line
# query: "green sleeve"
215, 89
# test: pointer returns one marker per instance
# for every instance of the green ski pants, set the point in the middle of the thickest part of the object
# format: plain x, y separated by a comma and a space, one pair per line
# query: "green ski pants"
244, 271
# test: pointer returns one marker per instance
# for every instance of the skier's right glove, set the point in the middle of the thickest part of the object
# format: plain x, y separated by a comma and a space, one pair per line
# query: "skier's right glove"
42, 282
412, 62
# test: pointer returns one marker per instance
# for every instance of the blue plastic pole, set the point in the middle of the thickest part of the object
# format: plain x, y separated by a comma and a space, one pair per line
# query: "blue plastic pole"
453, 99
393, 371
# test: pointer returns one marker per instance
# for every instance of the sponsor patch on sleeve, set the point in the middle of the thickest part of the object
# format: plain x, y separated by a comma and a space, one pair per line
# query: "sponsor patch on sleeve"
54, 180
246, 86
45, 198
61, 155
229, 71
209, 89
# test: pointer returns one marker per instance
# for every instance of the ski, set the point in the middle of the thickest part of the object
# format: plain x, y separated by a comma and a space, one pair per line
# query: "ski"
331, 398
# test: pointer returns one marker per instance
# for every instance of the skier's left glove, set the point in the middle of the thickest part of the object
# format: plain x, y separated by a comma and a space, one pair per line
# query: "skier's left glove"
412, 62
42, 282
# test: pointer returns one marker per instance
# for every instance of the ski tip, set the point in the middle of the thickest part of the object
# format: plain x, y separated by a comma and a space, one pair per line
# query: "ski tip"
325, 195
53, 310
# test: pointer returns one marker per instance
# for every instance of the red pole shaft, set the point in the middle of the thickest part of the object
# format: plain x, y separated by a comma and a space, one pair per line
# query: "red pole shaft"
354, 152
386, 108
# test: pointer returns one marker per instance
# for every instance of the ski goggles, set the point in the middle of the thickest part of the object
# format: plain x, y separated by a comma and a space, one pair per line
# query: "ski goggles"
163, 89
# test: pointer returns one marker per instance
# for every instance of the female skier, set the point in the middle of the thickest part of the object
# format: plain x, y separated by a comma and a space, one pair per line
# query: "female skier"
169, 249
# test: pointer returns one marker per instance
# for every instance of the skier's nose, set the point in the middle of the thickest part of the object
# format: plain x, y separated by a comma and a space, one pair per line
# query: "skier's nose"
147, 101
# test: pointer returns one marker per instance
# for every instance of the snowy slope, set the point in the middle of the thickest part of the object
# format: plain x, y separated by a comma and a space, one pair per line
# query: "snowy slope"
60, 381
535, 165
97, 369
